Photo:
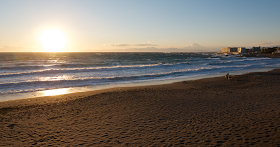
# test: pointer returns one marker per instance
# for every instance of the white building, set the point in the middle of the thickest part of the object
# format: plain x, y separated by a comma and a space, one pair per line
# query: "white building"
233, 50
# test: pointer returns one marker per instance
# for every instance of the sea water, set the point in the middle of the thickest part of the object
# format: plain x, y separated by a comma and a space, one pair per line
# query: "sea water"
25, 73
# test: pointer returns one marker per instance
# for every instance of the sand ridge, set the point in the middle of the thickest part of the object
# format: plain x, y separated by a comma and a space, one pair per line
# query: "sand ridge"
243, 111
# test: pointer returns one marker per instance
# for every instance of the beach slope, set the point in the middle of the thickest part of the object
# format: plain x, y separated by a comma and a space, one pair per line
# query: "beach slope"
241, 111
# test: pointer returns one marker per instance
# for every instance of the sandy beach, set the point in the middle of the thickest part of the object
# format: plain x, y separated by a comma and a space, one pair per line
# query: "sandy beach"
242, 111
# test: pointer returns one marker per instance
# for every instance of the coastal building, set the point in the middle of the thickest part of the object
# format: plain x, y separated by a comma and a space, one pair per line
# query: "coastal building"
276, 52
253, 50
256, 49
269, 49
233, 50
241, 50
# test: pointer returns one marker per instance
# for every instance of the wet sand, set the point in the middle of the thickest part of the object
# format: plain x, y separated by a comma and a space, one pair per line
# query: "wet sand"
243, 111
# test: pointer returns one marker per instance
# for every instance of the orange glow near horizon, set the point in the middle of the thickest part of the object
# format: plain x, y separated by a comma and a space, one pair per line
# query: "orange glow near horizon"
52, 40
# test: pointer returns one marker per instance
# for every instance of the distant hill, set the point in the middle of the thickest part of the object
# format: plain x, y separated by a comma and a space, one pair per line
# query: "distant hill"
190, 48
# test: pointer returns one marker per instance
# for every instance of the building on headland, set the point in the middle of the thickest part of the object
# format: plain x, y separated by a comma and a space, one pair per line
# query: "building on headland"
253, 50
270, 49
277, 51
241, 50
233, 50
256, 49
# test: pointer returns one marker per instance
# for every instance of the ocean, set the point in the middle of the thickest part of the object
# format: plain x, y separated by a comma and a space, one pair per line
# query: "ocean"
24, 75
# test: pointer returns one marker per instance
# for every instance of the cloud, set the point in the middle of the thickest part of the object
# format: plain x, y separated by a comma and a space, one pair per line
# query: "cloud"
145, 45
265, 43
12, 47
17, 49
124, 45
118, 45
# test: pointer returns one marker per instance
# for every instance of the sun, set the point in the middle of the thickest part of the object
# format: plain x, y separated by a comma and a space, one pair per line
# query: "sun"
52, 40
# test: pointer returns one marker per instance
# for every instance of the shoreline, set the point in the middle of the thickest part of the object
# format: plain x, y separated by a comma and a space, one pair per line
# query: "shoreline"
30, 99
212, 111
72, 90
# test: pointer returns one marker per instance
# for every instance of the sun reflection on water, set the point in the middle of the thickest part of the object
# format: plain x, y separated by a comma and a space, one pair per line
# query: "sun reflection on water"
56, 92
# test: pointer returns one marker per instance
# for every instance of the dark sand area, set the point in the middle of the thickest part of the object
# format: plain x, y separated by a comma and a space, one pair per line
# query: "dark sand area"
243, 111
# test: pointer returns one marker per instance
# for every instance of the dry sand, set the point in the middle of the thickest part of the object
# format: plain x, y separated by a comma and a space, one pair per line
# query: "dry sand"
243, 111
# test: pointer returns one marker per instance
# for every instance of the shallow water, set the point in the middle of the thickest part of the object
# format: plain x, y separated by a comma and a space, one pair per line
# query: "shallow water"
34, 73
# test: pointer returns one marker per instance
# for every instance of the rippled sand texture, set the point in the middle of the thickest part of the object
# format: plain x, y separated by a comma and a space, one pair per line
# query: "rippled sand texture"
242, 111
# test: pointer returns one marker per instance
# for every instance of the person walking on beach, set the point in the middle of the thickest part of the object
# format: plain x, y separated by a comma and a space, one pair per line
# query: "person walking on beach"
227, 75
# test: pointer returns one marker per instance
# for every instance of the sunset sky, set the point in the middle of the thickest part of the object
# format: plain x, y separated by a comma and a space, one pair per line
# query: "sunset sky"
143, 25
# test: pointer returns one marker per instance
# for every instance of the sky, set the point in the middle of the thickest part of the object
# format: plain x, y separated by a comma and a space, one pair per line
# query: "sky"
139, 25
